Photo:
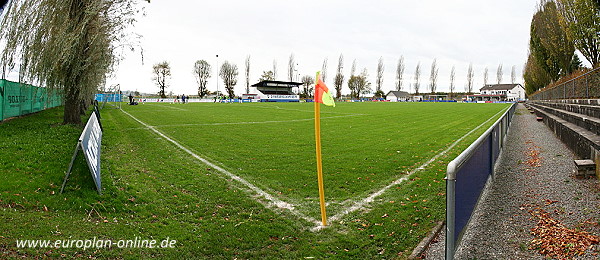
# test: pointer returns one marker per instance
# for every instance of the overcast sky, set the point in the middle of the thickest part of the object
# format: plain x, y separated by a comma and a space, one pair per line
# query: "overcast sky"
456, 33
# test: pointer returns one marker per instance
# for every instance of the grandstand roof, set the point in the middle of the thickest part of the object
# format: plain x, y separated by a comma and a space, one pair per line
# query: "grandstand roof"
276, 87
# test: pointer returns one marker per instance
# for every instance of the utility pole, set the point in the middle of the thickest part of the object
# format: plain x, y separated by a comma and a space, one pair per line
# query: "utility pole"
217, 78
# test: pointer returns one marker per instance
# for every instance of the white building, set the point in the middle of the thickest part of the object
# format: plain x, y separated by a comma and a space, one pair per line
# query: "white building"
501, 92
395, 96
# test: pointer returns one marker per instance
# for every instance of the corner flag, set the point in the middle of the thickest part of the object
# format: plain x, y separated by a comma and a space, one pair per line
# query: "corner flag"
323, 96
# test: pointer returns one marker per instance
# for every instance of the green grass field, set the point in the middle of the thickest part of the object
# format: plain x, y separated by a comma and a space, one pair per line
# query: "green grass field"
153, 189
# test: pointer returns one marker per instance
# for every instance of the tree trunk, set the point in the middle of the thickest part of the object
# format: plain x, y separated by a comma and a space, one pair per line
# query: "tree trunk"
72, 111
84, 105
72, 107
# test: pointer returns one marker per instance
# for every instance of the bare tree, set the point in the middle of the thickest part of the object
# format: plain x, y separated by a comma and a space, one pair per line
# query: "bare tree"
379, 78
452, 78
499, 74
161, 73
485, 76
358, 84
433, 76
399, 73
274, 70
267, 75
353, 68
67, 46
229, 74
291, 67
202, 73
324, 70
523, 71
513, 75
247, 74
470, 79
339, 78
417, 84
308, 82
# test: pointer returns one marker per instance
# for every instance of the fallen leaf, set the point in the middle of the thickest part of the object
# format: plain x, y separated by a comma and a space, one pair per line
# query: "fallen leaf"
553, 239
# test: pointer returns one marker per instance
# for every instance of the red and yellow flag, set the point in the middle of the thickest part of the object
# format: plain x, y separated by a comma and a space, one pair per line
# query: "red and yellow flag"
322, 94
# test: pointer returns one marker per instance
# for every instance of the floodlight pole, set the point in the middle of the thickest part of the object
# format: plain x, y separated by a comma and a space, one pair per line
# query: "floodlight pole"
217, 69
297, 70
295, 74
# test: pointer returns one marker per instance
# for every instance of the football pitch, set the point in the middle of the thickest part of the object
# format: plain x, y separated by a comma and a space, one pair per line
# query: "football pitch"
269, 148
237, 180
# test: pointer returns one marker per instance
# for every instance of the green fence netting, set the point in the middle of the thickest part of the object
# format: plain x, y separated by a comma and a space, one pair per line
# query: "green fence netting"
17, 99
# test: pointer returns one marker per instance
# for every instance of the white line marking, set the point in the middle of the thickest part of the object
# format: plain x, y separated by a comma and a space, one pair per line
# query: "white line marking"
273, 201
364, 202
301, 110
167, 106
259, 122
289, 109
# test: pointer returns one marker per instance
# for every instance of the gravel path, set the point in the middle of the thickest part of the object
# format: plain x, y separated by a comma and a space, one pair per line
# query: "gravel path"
524, 180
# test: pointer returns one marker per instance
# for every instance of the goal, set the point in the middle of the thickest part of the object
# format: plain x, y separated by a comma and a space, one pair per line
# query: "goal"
112, 96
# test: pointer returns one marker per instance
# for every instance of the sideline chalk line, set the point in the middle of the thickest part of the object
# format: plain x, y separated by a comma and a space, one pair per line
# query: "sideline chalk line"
171, 107
273, 202
260, 122
364, 202
302, 110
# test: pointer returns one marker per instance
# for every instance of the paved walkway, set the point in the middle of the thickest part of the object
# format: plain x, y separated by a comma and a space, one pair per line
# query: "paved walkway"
535, 170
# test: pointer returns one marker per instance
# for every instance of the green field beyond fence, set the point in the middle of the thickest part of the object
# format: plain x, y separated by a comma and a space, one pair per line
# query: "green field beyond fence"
17, 99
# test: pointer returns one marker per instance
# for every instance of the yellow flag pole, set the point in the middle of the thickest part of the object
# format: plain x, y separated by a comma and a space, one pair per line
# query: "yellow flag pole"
319, 159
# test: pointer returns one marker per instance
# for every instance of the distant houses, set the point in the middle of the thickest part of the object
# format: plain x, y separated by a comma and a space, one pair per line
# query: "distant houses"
499, 92
488, 93
400, 96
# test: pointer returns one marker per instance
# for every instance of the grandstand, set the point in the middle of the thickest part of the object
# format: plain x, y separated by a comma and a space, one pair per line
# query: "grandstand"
277, 91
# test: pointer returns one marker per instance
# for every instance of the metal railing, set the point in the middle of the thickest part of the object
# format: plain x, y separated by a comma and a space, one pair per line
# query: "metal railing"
467, 176
583, 86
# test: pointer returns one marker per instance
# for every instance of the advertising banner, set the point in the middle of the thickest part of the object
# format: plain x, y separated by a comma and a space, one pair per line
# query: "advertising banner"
13, 99
89, 143
1, 99
90, 140
17, 99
